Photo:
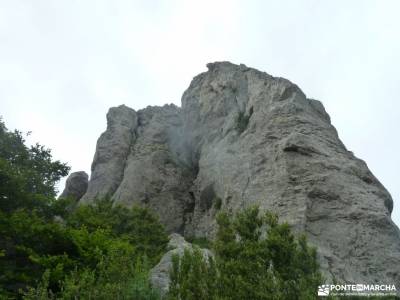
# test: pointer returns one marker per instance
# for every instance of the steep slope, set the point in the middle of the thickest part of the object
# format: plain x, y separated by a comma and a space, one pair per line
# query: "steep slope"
243, 137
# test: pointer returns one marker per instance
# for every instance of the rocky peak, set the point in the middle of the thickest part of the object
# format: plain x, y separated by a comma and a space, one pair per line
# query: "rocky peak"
243, 137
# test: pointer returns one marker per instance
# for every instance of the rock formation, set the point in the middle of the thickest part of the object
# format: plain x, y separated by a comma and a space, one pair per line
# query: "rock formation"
76, 185
243, 137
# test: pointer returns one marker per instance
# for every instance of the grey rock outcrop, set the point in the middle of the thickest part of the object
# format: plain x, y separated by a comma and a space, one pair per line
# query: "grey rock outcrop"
159, 275
76, 185
139, 160
112, 151
243, 137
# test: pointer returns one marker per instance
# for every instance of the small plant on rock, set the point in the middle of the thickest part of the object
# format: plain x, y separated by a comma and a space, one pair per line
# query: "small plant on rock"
242, 120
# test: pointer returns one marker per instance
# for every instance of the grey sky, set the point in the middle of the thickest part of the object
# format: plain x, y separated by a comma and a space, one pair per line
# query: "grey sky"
64, 63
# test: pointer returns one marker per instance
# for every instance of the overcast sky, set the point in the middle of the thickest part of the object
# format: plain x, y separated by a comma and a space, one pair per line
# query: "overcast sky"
64, 63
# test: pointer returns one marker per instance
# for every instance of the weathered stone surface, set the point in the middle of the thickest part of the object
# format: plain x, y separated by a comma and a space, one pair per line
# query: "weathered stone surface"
112, 150
76, 185
155, 173
246, 138
159, 275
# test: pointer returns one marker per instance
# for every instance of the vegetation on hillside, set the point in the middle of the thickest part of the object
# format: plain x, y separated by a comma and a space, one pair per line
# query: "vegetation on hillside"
255, 258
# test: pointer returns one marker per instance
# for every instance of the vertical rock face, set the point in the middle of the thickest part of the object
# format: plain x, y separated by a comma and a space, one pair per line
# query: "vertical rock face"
112, 151
243, 137
140, 160
75, 186
155, 173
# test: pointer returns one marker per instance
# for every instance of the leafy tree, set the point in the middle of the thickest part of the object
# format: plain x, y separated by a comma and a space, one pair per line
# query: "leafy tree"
256, 257
137, 225
86, 252
32, 245
27, 189
27, 174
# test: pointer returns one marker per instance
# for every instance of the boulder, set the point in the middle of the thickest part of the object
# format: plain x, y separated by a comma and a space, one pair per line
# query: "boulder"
75, 186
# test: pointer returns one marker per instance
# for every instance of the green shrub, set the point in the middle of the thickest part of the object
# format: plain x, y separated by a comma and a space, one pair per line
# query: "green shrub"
241, 122
122, 236
114, 248
248, 263
137, 225
192, 277
217, 203
114, 279
202, 242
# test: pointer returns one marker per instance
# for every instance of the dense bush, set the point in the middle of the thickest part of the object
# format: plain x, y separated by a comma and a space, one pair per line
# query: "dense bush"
114, 278
137, 225
255, 258
201, 242
106, 260
193, 277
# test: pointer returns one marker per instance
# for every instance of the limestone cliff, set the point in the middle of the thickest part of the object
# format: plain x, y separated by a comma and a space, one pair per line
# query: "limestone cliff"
243, 137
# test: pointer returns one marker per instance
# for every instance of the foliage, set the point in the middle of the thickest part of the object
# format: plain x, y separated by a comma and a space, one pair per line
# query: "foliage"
32, 244
99, 251
114, 278
81, 256
192, 277
218, 203
242, 120
137, 225
27, 174
40, 245
202, 242
255, 258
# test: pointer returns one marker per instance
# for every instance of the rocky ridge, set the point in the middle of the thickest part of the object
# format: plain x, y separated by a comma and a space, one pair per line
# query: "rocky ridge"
243, 137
